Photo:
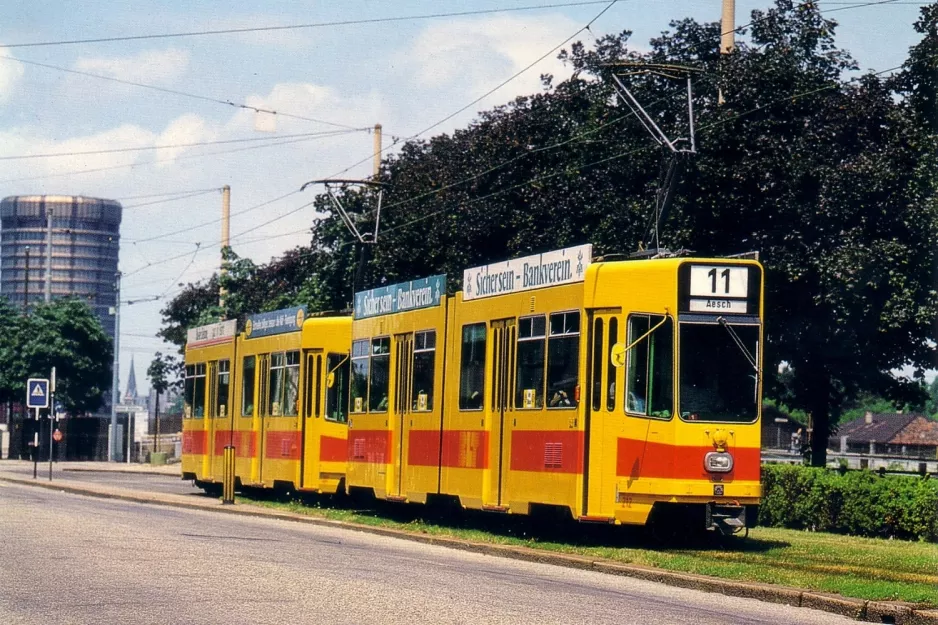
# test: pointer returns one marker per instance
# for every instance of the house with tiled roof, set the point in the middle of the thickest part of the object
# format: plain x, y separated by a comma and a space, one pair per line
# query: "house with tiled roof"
889, 434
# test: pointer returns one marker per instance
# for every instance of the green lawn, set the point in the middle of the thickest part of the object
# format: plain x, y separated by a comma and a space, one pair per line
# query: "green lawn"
863, 568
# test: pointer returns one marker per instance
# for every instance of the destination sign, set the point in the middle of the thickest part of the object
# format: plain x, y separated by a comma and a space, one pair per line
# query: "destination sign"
275, 322
212, 334
413, 295
712, 287
554, 268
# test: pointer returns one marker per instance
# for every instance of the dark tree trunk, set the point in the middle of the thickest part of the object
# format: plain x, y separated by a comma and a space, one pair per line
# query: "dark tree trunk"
820, 417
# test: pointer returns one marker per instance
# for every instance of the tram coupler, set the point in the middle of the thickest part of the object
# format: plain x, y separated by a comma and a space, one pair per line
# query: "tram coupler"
725, 518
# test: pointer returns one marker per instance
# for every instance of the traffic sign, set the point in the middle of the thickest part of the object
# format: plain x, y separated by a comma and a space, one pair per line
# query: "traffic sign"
37, 393
57, 435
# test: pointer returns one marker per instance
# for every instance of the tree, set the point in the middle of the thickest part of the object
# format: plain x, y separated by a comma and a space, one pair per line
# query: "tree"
164, 374
67, 335
13, 367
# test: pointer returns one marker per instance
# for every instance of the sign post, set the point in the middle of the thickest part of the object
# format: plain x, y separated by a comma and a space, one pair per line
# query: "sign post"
37, 397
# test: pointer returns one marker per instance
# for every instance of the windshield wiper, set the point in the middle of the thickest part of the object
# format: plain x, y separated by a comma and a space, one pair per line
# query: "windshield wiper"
739, 344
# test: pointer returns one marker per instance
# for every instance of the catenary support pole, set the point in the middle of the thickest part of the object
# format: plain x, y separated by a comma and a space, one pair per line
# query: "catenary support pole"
114, 445
48, 295
377, 165
225, 237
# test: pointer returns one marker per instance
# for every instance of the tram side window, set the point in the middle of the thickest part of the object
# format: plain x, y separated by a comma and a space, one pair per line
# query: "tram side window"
336, 393
424, 360
610, 367
596, 365
380, 374
221, 388
361, 364
529, 376
291, 388
649, 377
563, 359
284, 381
472, 367
247, 386
195, 390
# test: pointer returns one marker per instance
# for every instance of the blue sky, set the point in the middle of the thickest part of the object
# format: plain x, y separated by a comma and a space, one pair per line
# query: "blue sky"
405, 74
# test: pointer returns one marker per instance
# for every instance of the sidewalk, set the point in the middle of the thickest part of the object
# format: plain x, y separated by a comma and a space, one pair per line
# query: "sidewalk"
108, 467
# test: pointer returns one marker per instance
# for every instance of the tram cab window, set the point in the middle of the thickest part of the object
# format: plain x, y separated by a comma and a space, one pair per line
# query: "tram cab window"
222, 385
649, 372
563, 359
361, 366
284, 384
719, 380
472, 367
247, 386
529, 376
424, 361
195, 391
338, 366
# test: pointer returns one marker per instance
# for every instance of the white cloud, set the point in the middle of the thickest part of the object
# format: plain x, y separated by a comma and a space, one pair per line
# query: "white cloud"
478, 54
155, 67
11, 71
183, 130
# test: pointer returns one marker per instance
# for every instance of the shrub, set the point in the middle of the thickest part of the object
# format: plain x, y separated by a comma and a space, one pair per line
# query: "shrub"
860, 503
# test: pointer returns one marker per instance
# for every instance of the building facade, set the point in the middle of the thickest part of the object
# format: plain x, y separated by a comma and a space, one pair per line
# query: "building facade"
85, 245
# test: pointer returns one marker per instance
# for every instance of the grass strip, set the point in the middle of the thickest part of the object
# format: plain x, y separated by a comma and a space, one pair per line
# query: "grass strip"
862, 568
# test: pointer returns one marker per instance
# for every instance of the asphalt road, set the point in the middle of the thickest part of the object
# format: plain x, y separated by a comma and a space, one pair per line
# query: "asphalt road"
69, 559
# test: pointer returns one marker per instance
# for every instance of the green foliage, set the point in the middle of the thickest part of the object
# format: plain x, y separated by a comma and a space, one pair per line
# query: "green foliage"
64, 334
859, 503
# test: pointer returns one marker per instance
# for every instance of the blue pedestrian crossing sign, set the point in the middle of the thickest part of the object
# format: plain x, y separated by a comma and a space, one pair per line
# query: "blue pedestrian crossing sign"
37, 393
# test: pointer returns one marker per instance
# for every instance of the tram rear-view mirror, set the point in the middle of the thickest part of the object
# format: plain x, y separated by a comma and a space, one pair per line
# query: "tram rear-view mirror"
330, 380
617, 355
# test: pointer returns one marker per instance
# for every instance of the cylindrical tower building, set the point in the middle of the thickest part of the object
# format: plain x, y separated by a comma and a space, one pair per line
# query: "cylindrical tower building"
85, 244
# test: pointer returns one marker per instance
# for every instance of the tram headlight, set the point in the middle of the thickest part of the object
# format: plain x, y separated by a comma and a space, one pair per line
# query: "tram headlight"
718, 462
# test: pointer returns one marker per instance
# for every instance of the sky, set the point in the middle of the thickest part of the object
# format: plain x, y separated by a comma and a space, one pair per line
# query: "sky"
407, 67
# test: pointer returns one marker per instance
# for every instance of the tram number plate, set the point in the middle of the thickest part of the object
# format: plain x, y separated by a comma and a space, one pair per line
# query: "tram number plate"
713, 281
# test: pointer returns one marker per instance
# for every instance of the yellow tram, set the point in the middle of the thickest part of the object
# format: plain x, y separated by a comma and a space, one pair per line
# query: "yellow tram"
611, 390
284, 411
606, 389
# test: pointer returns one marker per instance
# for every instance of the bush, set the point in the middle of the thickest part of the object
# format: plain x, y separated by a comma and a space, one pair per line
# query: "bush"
860, 503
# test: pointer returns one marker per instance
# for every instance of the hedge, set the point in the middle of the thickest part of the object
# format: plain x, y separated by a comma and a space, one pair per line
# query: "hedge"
860, 503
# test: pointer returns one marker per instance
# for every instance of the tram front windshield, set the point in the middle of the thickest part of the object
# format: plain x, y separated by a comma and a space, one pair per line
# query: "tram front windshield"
719, 377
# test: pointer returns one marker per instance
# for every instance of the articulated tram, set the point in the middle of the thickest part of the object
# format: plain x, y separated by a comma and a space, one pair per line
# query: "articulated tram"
606, 389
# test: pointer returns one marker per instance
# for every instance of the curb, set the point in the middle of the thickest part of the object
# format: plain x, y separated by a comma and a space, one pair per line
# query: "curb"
857, 609
124, 471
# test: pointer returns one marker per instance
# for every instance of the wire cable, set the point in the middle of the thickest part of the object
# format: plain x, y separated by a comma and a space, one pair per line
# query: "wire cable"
147, 148
255, 29
184, 94
487, 93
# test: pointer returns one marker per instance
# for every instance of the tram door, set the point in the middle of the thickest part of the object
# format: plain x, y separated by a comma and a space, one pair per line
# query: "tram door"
605, 388
501, 372
310, 427
262, 419
404, 358
211, 420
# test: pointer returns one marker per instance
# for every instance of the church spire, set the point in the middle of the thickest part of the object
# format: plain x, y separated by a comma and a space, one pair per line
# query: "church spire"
130, 397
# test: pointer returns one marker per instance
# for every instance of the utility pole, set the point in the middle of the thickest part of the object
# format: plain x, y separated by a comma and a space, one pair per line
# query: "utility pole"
26, 285
225, 238
377, 166
727, 35
48, 297
115, 378
728, 27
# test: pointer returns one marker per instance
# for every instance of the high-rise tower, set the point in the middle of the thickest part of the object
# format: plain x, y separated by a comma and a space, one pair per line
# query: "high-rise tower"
85, 244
